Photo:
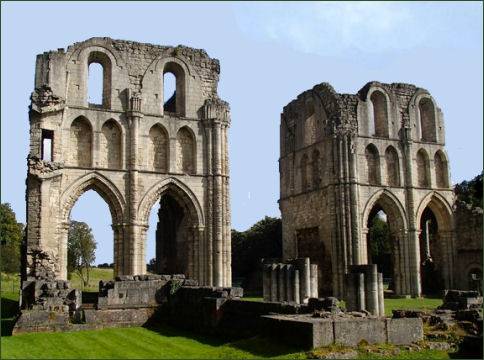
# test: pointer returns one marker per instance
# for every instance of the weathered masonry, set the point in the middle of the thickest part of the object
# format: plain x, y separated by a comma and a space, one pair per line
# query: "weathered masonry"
137, 147
346, 158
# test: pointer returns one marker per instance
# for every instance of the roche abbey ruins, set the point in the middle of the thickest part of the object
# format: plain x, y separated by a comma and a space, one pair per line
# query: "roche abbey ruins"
344, 159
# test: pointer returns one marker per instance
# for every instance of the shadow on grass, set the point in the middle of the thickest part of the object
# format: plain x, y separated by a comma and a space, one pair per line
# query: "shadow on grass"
259, 346
9, 310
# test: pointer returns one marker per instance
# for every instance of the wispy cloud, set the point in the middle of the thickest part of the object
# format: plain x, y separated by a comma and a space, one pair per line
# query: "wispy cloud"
333, 28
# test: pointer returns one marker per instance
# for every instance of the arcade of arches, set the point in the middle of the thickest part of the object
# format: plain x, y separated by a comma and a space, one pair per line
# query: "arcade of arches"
135, 144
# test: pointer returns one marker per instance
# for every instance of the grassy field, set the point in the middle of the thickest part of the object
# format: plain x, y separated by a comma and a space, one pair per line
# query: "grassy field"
164, 342
96, 275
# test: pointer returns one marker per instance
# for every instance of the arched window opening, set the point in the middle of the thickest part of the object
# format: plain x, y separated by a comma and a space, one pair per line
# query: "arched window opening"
373, 164
185, 149
47, 151
304, 173
99, 80
174, 89
431, 255
169, 92
110, 145
393, 166
441, 172
80, 143
427, 120
380, 114
95, 84
316, 176
380, 245
422, 169
158, 149
88, 240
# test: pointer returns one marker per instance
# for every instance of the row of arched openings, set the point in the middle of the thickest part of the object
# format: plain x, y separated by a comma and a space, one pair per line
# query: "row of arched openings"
392, 167
110, 147
380, 119
99, 85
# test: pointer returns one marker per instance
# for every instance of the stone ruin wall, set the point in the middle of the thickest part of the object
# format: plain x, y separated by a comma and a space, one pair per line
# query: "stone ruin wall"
341, 155
130, 151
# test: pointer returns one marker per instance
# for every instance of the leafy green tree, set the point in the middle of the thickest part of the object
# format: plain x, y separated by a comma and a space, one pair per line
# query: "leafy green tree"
81, 248
262, 240
11, 233
470, 191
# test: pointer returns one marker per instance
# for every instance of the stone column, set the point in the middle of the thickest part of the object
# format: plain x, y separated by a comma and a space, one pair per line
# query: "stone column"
64, 235
350, 288
134, 246
302, 264
360, 291
381, 299
413, 253
201, 255
274, 280
289, 282
314, 280
209, 246
371, 285
266, 281
217, 203
281, 287
296, 288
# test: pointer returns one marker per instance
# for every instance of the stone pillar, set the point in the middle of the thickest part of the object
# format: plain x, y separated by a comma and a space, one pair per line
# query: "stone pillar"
64, 235
266, 281
314, 280
360, 291
371, 285
217, 203
296, 290
351, 291
274, 280
305, 277
281, 288
289, 282
134, 249
201, 255
381, 300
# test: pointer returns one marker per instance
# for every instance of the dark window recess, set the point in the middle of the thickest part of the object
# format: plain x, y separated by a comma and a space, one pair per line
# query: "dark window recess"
47, 145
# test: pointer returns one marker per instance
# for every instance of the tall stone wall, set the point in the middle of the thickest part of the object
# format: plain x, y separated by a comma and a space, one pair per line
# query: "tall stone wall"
345, 156
133, 150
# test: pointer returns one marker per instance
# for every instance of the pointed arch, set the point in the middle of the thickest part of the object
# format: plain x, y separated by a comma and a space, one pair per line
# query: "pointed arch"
440, 208
158, 148
103, 186
423, 168
80, 137
392, 163
185, 150
441, 169
428, 124
390, 205
180, 191
111, 145
372, 165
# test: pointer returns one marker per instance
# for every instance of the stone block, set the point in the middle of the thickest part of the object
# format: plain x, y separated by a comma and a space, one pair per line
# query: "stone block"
404, 331
350, 332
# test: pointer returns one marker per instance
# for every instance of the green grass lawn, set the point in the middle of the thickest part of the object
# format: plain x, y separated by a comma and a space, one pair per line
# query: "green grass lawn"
95, 275
163, 342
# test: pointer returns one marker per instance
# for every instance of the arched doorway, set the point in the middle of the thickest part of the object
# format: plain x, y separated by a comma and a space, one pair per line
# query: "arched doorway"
174, 230
435, 242
115, 203
384, 232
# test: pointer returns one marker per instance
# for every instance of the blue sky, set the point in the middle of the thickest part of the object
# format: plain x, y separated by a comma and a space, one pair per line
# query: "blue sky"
269, 53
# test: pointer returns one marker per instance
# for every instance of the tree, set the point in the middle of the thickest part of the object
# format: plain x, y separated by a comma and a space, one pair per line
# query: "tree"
262, 240
11, 233
470, 191
81, 248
